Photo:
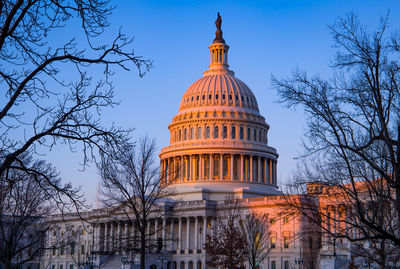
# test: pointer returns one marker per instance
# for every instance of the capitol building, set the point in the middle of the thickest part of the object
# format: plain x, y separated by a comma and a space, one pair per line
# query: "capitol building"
219, 144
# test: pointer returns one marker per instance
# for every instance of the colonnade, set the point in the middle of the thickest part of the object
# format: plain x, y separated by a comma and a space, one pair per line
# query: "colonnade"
239, 167
180, 234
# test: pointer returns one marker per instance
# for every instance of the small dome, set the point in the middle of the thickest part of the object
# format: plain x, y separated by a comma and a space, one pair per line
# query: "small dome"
218, 89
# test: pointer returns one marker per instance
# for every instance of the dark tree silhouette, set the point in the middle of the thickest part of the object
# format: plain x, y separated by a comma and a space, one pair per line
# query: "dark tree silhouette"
351, 165
132, 183
255, 229
49, 94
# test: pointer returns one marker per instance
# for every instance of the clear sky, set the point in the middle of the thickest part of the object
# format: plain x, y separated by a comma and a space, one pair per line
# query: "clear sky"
265, 38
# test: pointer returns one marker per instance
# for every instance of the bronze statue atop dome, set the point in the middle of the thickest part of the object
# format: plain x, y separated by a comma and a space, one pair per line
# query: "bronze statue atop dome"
218, 33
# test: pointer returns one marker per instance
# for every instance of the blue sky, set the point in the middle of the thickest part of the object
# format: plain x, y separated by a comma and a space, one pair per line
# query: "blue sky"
265, 38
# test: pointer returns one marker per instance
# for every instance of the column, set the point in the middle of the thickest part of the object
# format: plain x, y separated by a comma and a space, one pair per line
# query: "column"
180, 168
187, 234
155, 229
112, 236
265, 170
172, 234
168, 170
204, 231
191, 174
118, 241
241, 177
270, 171
196, 231
106, 231
259, 170
211, 167
221, 167
232, 165
164, 231
127, 236
201, 172
251, 168
179, 235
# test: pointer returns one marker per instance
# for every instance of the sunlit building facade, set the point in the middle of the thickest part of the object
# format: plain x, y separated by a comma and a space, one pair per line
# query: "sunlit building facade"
218, 149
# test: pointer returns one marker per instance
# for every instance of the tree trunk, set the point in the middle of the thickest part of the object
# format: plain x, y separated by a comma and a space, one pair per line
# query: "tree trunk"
143, 247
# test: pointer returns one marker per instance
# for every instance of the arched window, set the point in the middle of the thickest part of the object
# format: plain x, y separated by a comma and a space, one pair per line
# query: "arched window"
208, 132
233, 132
216, 132
199, 132
224, 132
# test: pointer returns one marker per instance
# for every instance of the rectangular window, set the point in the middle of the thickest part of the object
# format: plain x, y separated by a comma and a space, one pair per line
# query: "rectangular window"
273, 242
285, 220
53, 266
241, 133
255, 135
248, 133
61, 266
273, 264
216, 132
71, 266
286, 264
233, 132
199, 133
82, 249
206, 167
208, 132
192, 133
180, 135
185, 134
72, 249
216, 167
224, 132
286, 241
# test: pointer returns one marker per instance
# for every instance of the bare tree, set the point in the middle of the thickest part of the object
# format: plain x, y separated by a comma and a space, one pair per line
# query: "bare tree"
352, 152
225, 242
23, 205
133, 183
255, 229
49, 95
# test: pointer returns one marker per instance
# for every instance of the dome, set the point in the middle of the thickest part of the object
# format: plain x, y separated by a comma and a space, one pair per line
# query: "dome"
218, 89
218, 139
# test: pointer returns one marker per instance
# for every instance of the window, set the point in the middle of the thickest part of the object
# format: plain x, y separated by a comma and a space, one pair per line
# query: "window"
198, 132
285, 241
180, 134
233, 132
197, 98
223, 96
230, 97
224, 132
72, 249
82, 249
216, 166
206, 167
61, 266
241, 133
204, 97
209, 97
53, 266
192, 133
273, 264
273, 242
185, 134
286, 265
236, 97
208, 132
62, 250
285, 220
216, 132
255, 135
259, 136
216, 97
71, 266
54, 251
248, 133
